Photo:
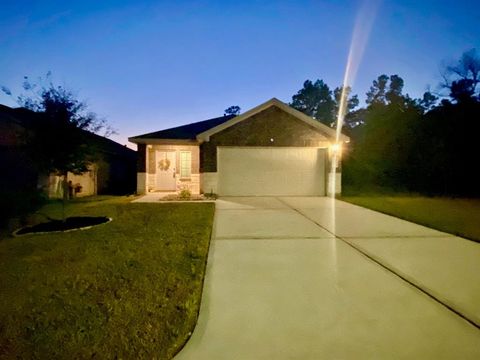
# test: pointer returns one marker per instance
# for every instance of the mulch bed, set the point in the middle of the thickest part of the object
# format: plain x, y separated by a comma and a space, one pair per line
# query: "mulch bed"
176, 197
70, 223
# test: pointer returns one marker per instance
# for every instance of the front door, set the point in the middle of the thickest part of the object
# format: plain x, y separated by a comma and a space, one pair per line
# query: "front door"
165, 161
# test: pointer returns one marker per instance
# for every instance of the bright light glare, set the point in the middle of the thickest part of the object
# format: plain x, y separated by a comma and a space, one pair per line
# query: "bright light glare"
361, 32
336, 148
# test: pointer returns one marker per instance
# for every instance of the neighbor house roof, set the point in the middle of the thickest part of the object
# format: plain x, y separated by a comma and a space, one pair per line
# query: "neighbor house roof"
184, 132
12, 124
15, 120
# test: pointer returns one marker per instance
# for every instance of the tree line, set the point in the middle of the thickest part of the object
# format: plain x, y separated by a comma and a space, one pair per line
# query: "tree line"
427, 145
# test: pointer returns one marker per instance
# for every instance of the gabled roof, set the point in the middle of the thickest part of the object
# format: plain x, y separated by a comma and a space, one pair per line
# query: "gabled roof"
202, 130
183, 132
329, 132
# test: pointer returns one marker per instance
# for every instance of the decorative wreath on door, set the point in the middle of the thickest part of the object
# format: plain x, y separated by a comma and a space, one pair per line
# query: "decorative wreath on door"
164, 164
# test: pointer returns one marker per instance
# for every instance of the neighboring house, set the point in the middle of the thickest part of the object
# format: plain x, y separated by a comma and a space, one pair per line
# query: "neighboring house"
271, 149
17, 174
112, 172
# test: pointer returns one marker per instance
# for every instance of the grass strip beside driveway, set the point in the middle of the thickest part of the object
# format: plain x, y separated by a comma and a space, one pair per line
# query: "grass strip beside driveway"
127, 289
455, 216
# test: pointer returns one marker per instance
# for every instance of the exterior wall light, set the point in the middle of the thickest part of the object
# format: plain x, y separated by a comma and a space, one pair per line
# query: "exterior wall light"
336, 149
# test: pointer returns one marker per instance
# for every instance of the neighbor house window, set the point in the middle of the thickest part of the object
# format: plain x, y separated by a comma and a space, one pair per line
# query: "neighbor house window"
185, 164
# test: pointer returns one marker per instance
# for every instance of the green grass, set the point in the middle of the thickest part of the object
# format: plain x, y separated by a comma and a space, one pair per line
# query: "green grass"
456, 216
127, 289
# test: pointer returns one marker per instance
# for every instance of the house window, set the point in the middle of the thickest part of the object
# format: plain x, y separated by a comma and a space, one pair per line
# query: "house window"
185, 164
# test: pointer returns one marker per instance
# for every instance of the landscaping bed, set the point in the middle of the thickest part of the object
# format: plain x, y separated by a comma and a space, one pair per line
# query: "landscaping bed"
131, 289
183, 196
452, 215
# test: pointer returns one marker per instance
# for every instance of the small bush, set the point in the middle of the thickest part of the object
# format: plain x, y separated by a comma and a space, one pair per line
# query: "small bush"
185, 194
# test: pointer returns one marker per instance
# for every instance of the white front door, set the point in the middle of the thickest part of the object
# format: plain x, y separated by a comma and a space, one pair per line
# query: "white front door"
165, 171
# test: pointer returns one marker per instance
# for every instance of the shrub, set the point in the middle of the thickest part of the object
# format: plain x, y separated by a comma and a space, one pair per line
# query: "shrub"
185, 194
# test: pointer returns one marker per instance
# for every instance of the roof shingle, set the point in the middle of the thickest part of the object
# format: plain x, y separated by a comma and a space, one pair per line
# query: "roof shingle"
185, 132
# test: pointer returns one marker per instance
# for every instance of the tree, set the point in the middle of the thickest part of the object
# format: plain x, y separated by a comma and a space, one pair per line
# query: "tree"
428, 101
382, 136
57, 141
462, 90
378, 90
462, 79
387, 90
315, 100
232, 110
394, 92
350, 118
318, 101
355, 118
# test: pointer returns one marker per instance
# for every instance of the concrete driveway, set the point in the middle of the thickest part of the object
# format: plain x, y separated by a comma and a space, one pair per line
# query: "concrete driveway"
315, 278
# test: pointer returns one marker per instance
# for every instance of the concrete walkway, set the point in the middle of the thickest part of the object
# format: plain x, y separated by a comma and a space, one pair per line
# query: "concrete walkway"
315, 278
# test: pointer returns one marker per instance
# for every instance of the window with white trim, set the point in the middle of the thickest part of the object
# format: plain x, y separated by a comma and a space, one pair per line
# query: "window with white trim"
185, 164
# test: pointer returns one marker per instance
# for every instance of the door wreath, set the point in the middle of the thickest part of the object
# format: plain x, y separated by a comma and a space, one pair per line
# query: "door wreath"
164, 164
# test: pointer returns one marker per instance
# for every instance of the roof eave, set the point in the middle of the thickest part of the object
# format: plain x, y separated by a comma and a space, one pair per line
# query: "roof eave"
156, 141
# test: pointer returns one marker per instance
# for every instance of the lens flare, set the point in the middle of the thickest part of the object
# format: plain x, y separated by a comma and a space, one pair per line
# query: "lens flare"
361, 32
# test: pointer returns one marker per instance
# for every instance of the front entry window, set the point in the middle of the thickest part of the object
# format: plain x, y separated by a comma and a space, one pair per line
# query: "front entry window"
185, 164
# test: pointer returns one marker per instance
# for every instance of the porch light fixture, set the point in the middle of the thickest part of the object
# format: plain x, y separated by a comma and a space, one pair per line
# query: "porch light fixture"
336, 149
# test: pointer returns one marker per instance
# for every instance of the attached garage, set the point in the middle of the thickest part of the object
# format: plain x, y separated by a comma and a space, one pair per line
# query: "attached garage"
270, 150
271, 171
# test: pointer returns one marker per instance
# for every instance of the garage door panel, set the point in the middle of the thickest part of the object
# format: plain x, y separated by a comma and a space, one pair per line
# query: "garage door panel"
271, 171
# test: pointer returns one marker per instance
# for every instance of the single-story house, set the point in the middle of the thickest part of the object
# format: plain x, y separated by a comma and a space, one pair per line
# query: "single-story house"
271, 149
112, 171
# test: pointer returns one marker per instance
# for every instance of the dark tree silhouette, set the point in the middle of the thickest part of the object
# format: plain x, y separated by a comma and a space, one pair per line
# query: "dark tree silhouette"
315, 100
382, 136
462, 90
378, 90
462, 79
232, 110
428, 101
352, 102
405, 144
394, 92
386, 90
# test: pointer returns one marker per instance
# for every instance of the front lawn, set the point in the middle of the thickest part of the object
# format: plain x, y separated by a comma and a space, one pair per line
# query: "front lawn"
129, 289
456, 216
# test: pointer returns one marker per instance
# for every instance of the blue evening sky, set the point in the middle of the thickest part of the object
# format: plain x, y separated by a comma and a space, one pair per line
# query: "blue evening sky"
149, 65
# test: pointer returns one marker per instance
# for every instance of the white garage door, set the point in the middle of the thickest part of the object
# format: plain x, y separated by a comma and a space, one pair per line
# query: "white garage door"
245, 171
